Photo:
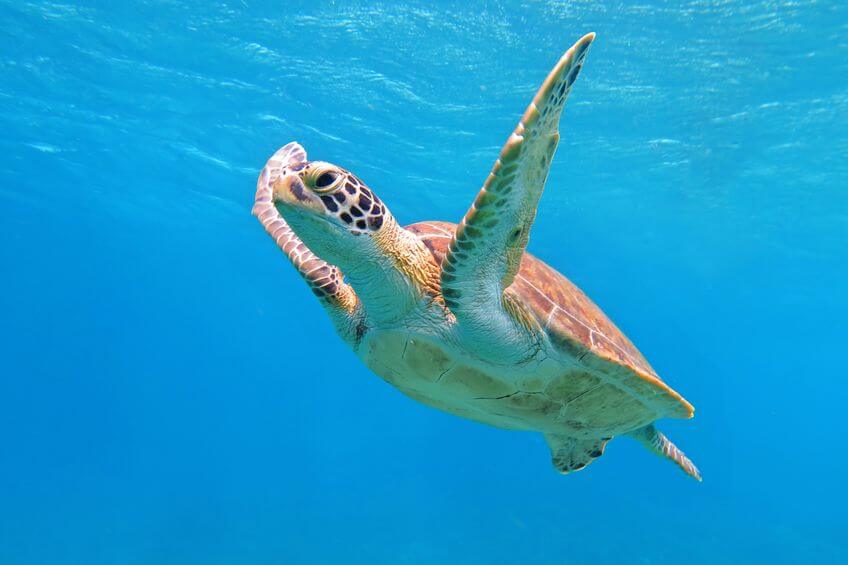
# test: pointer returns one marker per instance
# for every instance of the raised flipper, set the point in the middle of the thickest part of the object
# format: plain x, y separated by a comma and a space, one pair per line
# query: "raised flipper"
486, 250
660, 445
571, 454
324, 279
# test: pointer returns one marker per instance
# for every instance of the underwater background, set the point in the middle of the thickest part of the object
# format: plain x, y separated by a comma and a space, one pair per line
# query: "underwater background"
172, 393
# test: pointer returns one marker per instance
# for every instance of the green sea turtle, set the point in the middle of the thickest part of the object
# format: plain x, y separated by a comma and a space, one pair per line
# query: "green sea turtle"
459, 317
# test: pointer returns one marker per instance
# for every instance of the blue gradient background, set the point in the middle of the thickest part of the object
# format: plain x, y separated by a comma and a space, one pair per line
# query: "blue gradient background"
171, 393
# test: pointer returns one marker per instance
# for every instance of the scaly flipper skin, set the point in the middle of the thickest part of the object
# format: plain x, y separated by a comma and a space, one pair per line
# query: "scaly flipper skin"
324, 279
657, 443
485, 253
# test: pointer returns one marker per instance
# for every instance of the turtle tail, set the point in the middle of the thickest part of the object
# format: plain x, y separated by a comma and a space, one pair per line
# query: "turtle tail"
660, 445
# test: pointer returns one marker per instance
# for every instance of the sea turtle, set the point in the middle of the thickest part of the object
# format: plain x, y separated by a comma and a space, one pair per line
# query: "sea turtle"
459, 317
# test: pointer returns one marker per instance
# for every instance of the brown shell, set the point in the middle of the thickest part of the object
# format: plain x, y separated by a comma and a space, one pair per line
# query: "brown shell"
573, 322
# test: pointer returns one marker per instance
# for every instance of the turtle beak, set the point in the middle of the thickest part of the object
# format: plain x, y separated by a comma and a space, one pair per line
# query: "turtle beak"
289, 190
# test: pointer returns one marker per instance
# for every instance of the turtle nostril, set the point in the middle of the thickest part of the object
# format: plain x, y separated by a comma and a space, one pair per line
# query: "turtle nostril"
325, 180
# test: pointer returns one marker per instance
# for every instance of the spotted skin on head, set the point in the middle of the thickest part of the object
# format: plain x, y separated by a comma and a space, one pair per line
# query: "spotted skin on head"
353, 203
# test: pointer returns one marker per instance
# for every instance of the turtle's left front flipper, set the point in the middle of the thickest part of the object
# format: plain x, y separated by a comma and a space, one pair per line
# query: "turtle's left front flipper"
486, 250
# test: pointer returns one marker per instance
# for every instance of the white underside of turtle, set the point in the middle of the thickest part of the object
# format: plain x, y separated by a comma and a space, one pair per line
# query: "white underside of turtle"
460, 317
550, 393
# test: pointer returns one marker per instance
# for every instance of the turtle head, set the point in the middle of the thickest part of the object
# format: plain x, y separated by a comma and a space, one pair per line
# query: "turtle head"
330, 212
330, 209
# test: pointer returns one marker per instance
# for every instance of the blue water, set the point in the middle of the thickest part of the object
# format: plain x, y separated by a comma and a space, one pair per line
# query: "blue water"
172, 393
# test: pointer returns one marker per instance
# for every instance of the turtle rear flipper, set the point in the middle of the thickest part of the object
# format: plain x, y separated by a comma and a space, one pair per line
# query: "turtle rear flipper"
660, 445
570, 454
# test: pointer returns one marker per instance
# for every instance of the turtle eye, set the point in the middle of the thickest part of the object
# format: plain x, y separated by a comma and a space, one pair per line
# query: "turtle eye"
326, 180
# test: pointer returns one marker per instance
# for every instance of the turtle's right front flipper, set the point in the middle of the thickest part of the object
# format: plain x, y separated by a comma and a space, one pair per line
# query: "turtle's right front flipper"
324, 279
485, 253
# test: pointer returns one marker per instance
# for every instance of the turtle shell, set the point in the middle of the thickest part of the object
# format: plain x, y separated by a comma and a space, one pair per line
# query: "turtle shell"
579, 329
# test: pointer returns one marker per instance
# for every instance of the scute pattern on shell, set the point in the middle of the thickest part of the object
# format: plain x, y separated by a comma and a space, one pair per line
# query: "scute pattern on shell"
572, 321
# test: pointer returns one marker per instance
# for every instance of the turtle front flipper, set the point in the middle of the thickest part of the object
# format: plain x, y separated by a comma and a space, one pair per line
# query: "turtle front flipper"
570, 454
324, 279
486, 250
